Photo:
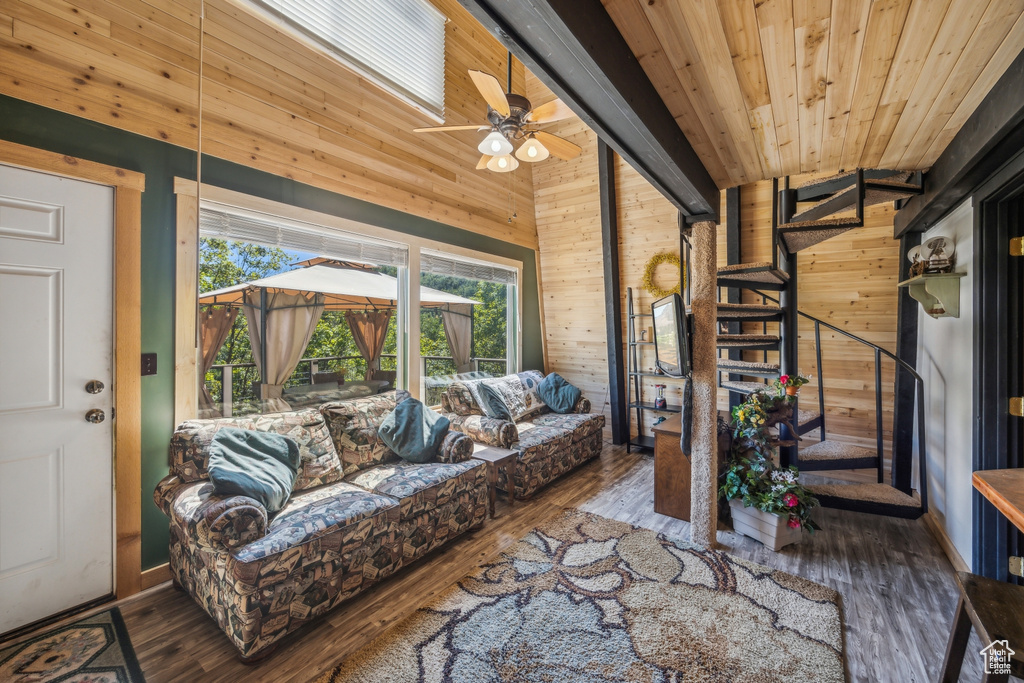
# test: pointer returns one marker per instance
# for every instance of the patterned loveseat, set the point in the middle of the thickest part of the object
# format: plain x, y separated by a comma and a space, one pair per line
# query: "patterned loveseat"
350, 522
549, 444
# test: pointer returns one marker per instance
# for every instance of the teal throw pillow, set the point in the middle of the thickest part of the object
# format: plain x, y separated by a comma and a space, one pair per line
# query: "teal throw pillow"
558, 394
495, 402
260, 465
414, 431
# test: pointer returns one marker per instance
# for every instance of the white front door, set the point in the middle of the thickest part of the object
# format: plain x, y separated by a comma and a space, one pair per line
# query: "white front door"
56, 336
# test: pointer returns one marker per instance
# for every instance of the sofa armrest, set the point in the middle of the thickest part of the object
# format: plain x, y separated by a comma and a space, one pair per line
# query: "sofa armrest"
457, 447
490, 431
582, 405
214, 521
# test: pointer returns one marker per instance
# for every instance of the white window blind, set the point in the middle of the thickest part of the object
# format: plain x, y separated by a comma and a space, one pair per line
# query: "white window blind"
400, 42
440, 264
287, 234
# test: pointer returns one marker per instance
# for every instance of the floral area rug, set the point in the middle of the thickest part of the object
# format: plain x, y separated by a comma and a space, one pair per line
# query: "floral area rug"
585, 598
92, 650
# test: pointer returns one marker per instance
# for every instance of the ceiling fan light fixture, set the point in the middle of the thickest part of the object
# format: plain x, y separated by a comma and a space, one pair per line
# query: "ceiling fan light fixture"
532, 150
503, 164
495, 145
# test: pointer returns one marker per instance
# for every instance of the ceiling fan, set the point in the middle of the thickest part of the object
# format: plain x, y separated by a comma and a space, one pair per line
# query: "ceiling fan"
511, 118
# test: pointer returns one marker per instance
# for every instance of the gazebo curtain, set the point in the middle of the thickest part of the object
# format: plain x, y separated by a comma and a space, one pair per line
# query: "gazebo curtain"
368, 331
214, 327
458, 330
291, 321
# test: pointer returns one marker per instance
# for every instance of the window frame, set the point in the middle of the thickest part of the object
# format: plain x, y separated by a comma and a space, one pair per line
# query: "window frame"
409, 357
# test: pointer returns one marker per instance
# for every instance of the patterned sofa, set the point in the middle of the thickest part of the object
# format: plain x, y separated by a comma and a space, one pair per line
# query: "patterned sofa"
549, 444
350, 522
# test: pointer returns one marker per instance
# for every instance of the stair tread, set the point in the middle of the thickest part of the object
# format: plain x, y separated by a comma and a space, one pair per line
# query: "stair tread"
764, 272
751, 312
868, 493
740, 340
834, 450
805, 416
816, 182
805, 239
740, 367
744, 387
749, 307
826, 223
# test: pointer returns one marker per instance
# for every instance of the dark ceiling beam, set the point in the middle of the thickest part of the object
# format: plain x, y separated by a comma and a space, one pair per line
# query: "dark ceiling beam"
574, 47
988, 139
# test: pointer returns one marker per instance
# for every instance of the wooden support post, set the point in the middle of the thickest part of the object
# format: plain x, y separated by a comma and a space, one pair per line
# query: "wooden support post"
704, 442
732, 241
612, 293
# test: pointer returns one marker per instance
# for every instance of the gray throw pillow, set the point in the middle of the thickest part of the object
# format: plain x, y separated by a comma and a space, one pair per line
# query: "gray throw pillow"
560, 396
414, 431
494, 403
260, 465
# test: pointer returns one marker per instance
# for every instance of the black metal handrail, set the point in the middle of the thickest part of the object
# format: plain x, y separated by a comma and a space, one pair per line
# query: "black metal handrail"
879, 352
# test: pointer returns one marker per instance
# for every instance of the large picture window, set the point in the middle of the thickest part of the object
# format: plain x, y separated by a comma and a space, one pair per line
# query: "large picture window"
399, 43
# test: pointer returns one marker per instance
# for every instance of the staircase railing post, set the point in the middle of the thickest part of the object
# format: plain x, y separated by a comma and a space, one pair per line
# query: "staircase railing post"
922, 460
821, 378
878, 415
789, 329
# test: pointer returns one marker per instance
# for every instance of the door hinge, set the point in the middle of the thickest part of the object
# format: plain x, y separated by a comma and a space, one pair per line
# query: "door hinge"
1017, 406
1017, 566
1017, 246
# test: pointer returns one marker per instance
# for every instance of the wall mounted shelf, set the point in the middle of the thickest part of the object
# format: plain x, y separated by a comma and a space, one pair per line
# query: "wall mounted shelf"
938, 293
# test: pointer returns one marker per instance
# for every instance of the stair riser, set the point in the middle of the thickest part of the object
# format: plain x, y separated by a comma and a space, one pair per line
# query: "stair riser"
749, 284
768, 346
844, 464
748, 373
757, 318
870, 508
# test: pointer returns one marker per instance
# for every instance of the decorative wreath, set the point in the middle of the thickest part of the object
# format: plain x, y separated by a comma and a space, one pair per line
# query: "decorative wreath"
652, 266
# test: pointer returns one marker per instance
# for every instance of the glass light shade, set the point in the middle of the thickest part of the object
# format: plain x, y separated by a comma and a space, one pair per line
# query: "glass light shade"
503, 164
532, 151
495, 145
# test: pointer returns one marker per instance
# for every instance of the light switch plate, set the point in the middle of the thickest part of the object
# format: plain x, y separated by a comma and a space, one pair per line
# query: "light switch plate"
1017, 566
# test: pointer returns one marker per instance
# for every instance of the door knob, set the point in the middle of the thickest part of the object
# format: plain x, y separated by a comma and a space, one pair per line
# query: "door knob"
95, 416
94, 386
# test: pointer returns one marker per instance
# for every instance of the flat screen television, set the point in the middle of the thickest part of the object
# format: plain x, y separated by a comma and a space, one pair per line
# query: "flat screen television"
671, 336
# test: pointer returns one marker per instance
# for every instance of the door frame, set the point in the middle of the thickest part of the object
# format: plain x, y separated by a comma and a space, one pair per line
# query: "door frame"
996, 338
126, 385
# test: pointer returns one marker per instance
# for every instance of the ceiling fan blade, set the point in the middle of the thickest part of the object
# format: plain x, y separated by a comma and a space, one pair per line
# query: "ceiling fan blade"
482, 164
555, 110
560, 147
492, 91
438, 129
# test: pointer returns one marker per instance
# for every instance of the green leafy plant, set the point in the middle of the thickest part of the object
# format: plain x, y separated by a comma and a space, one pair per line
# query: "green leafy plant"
791, 381
751, 473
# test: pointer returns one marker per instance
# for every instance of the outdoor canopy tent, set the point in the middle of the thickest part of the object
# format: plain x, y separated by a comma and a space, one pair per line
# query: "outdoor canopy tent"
282, 312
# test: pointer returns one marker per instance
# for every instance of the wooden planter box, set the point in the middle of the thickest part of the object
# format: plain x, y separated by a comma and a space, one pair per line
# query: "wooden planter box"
766, 527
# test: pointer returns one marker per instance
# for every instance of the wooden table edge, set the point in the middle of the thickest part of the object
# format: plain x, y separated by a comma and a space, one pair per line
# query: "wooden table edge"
1003, 504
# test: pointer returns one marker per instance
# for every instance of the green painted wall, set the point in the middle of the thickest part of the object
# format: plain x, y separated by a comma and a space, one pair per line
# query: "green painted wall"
43, 128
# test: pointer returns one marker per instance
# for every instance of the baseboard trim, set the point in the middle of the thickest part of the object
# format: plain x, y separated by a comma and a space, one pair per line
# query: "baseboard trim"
155, 576
944, 541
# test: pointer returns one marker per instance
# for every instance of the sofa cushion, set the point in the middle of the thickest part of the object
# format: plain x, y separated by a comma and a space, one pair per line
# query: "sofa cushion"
355, 429
190, 445
420, 486
558, 394
259, 465
414, 431
581, 424
462, 399
312, 514
530, 380
538, 441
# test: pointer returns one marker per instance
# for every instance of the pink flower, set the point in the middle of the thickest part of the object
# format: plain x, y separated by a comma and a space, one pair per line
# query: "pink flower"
784, 379
793, 523
790, 500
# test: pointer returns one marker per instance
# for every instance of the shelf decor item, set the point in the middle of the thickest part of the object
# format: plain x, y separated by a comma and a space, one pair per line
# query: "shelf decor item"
652, 266
791, 383
659, 402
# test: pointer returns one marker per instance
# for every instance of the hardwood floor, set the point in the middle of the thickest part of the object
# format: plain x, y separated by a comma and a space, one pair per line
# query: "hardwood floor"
897, 587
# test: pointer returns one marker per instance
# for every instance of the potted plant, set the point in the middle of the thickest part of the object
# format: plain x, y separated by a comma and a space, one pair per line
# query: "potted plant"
791, 383
767, 502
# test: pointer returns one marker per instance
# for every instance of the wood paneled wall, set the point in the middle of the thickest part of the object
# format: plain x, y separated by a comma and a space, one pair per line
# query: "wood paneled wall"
849, 281
270, 101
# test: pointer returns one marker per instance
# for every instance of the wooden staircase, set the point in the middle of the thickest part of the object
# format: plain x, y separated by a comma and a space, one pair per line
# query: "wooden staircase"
801, 218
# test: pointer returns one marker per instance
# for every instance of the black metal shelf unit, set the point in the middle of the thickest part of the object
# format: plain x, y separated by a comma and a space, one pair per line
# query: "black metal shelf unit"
634, 401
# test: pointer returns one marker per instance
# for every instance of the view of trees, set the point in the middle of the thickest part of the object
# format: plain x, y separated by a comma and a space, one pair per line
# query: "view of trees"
225, 263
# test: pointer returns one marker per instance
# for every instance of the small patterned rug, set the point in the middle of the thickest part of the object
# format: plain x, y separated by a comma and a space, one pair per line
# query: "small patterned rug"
585, 598
92, 650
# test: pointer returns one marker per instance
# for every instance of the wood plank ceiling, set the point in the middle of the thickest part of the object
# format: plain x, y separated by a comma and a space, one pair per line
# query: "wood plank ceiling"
768, 88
